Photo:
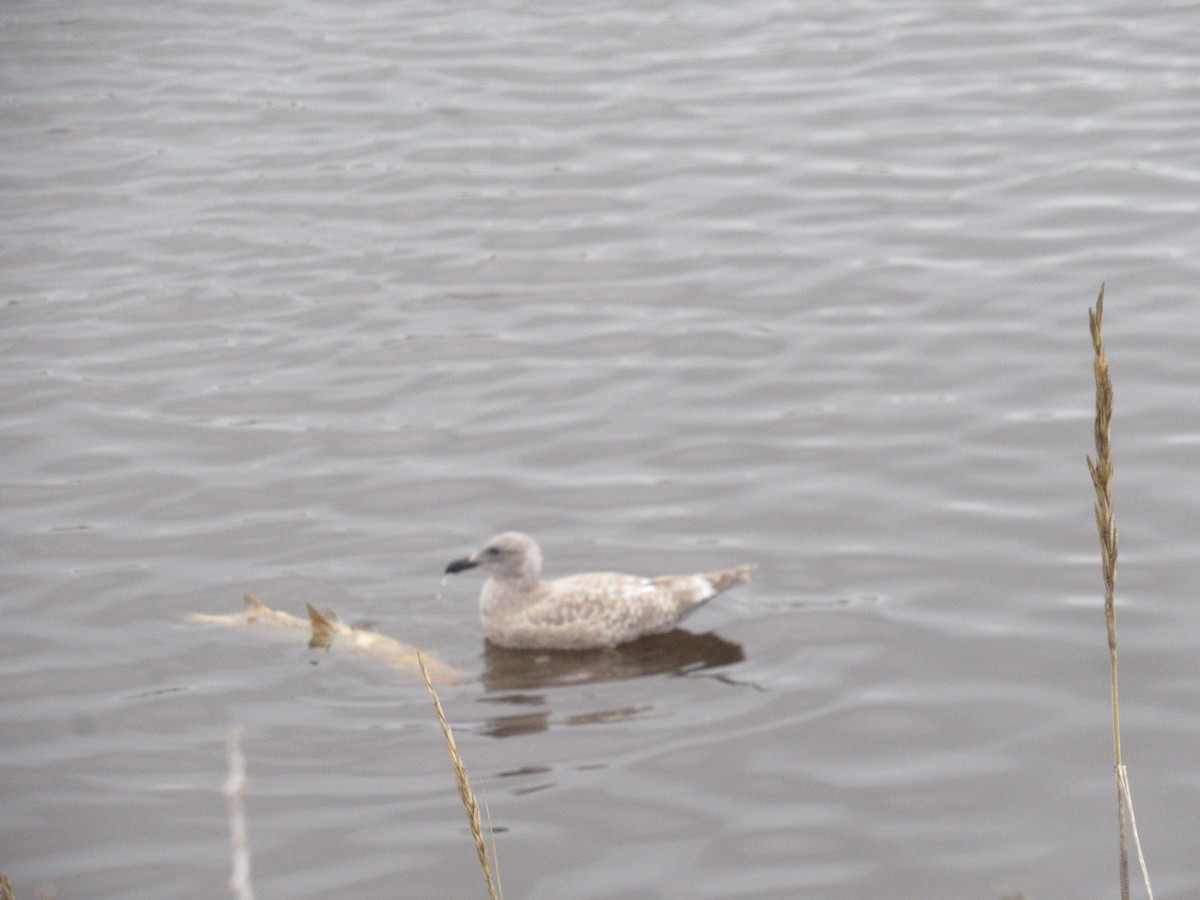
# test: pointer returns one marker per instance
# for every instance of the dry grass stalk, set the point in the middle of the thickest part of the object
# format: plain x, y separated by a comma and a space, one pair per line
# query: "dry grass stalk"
1106, 522
1123, 776
5, 888
235, 788
491, 876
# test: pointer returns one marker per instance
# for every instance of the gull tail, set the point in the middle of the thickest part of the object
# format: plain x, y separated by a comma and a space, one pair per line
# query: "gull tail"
724, 580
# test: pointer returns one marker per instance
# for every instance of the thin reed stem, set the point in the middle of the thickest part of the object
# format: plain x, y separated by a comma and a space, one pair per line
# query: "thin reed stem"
464, 788
235, 788
1123, 777
1106, 519
1106, 524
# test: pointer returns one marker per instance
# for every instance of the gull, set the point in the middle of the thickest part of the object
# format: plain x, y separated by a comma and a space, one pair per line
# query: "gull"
579, 612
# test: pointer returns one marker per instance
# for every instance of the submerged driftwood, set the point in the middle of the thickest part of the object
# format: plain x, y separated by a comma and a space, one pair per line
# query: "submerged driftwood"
324, 630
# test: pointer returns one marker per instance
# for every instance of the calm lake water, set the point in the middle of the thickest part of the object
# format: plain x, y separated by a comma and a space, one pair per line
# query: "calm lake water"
306, 299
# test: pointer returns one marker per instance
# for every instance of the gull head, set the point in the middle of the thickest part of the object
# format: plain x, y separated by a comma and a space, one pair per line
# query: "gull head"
510, 556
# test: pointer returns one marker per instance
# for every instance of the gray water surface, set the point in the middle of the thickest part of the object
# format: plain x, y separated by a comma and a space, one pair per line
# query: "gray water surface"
306, 299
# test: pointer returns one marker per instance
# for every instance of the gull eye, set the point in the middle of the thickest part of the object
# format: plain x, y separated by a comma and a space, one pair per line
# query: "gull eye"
493, 551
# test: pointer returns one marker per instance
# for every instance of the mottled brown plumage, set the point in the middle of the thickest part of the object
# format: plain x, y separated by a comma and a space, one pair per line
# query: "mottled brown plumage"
579, 612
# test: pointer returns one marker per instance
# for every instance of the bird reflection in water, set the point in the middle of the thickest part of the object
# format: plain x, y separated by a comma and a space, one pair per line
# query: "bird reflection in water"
514, 677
